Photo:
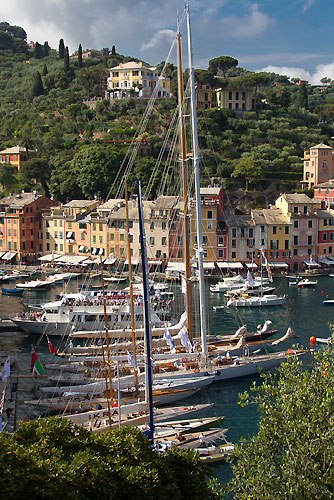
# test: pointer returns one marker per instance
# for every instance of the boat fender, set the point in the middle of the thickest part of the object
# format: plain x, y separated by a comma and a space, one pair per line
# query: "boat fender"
196, 370
217, 373
206, 374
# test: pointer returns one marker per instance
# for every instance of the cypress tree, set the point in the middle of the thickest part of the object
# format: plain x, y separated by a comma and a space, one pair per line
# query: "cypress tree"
45, 70
61, 49
38, 51
113, 50
66, 60
302, 98
46, 49
37, 85
80, 56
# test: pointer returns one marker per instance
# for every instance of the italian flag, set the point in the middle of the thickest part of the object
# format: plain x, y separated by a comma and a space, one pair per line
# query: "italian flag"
36, 366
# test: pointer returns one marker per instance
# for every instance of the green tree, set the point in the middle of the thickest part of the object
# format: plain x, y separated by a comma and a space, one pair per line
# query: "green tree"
222, 63
14, 31
113, 50
36, 169
45, 70
248, 169
66, 60
37, 85
80, 56
302, 98
61, 49
52, 458
292, 454
46, 49
38, 51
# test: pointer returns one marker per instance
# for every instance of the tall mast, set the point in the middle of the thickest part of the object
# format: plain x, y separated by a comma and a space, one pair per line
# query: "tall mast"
130, 283
108, 362
147, 319
185, 193
197, 192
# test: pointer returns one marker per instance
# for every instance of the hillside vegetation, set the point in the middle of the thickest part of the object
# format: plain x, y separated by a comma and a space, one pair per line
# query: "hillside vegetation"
79, 150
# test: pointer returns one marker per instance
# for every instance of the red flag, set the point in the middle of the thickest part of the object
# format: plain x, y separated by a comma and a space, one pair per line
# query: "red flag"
34, 358
51, 348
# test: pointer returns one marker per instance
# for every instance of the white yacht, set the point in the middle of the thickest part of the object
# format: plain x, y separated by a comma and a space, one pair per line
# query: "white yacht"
260, 301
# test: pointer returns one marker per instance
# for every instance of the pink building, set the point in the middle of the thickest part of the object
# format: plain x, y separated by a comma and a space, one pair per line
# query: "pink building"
325, 192
318, 165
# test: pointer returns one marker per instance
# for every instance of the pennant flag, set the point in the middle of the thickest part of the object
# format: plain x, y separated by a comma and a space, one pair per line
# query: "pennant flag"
5, 372
132, 361
311, 259
250, 279
185, 341
36, 366
169, 340
51, 348
266, 265
183, 284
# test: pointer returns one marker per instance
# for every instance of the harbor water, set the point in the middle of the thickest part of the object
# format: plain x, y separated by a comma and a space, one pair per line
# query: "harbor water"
303, 311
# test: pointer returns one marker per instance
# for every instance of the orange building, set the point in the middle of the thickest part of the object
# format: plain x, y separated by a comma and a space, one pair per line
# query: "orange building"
20, 226
14, 157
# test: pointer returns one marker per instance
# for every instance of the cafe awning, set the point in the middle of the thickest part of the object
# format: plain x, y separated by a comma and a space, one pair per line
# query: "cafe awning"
229, 265
251, 265
110, 259
49, 257
208, 265
9, 255
278, 265
311, 263
176, 266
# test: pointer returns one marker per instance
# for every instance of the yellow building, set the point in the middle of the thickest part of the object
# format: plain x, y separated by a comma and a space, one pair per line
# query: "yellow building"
272, 232
13, 157
206, 96
237, 99
133, 79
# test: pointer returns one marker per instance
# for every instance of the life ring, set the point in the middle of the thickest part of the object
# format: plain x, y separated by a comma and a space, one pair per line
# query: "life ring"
196, 370
184, 360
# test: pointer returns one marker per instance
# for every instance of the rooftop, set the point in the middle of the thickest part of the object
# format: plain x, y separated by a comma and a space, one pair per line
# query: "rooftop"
210, 190
321, 146
15, 150
270, 216
20, 200
79, 203
328, 184
297, 198
132, 65
165, 202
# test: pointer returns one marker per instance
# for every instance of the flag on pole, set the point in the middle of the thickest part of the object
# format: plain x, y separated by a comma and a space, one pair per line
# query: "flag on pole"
311, 259
250, 279
131, 361
5, 372
185, 341
36, 366
2, 401
51, 348
266, 265
183, 284
169, 341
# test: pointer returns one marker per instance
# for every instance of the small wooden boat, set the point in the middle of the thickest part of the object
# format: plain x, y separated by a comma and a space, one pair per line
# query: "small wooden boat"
12, 291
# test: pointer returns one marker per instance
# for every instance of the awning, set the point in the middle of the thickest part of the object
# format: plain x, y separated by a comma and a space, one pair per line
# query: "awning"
325, 261
279, 265
101, 251
154, 262
71, 260
69, 234
208, 265
251, 265
49, 257
2, 254
311, 263
229, 265
94, 251
134, 262
176, 266
82, 248
110, 259
9, 255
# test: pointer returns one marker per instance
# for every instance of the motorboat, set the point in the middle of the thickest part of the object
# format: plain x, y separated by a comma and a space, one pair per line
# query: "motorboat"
12, 291
306, 282
260, 301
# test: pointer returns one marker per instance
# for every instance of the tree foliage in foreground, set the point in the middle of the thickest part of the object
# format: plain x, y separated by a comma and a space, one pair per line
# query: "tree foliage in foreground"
52, 459
292, 455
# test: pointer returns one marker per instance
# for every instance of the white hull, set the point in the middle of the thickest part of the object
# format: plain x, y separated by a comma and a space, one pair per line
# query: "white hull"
265, 301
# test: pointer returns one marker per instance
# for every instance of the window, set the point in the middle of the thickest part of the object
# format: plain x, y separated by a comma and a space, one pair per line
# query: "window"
262, 229
158, 254
209, 214
48, 246
47, 235
210, 225
152, 225
295, 252
61, 235
163, 226
274, 245
309, 223
55, 223
309, 240
130, 238
164, 241
234, 255
121, 237
70, 248
250, 232
100, 227
330, 249
82, 236
230, 96
220, 240
274, 229
237, 96
152, 240
305, 209
112, 236
242, 232
179, 241
234, 233
9, 232
295, 210
234, 243
331, 236
94, 239
172, 226
295, 224
61, 247
130, 224
55, 234
23, 232
31, 245
70, 225
295, 240
14, 232
100, 240
135, 73
286, 244
286, 229
205, 240
23, 245
121, 224
179, 254
325, 222
221, 254
324, 237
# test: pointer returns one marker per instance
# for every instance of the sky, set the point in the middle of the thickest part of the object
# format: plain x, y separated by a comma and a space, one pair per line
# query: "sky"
291, 37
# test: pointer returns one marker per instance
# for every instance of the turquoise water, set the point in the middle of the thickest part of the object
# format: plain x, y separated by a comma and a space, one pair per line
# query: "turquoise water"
303, 311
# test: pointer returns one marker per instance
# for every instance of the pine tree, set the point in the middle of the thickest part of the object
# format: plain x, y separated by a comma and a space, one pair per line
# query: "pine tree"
37, 85
302, 98
61, 49
46, 49
45, 70
113, 50
38, 51
66, 60
80, 56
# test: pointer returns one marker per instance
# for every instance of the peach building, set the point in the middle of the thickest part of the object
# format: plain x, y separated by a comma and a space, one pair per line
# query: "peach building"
318, 165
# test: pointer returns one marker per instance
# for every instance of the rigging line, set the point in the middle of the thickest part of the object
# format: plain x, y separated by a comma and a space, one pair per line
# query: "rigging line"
135, 143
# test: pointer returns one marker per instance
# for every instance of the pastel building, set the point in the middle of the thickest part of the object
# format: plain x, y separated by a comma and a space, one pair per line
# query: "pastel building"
133, 79
301, 212
21, 226
325, 234
15, 156
325, 192
241, 238
273, 234
236, 99
318, 166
